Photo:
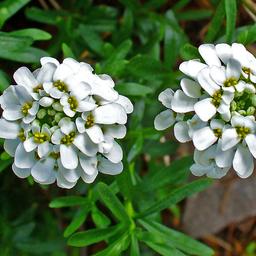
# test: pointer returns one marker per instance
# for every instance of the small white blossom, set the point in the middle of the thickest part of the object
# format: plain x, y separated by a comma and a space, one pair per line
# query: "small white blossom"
221, 96
60, 123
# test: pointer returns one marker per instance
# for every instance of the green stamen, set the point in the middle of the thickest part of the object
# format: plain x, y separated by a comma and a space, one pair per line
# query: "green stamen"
38, 88
40, 137
246, 70
68, 139
242, 131
55, 155
217, 132
25, 108
61, 86
216, 98
230, 82
89, 121
73, 103
21, 135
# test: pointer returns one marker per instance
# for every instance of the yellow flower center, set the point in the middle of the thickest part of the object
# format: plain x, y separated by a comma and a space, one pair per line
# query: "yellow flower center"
73, 103
89, 121
40, 137
216, 98
38, 88
61, 86
242, 131
217, 132
25, 108
230, 82
21, 135
68, 139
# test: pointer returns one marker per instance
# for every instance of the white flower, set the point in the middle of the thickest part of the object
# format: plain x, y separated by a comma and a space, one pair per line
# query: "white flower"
61, 121
220, 95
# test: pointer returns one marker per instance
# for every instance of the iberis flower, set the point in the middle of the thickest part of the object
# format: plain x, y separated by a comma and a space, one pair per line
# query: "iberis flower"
215, 108
61, 123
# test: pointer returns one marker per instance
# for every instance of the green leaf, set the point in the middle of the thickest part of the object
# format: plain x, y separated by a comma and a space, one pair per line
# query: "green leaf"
169, 175
177, 239
112, 202
34, 33
4, 81
13, 43
99, 218
231, 10
189, 52
176, 196
92, 236
134, 249
117, 247
216, 22
27, 55
194, 14
9, 7
67, 201
77, 221
247, 35
67, 51
163, 249
156, 148
4, 164
133, 89
136, 148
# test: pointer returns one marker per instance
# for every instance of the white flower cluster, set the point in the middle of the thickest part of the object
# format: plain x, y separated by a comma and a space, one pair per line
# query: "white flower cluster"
216, 109
61, 121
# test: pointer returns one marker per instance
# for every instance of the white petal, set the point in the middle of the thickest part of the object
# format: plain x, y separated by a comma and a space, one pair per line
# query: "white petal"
233, 69
95, 133
204, 138
85, 145
56, 137
181, 103
227, 96
181, 132
8, 130
43, 169
30, 144
115, 155
229, 139
190, 88
117, 131
63, 183
224, 158
86, 106
199, 170
21, 172
45, 73
22, 158
68, 111
55, 93
191, 68
69, 175
164, 120
80, 124
208, 52
10, 146
251, 143
28, 118
218, 74
110, 114
22, 94
62, 72
243, 162
206, 82
23, 76
12, 115
125, 103
217, 124
88, 178
34, 109
68, 156
88, 164
44, 149
205, 109
46, 101
107, 167
66, 125
46, 60
224, 52
243, 121
166, 97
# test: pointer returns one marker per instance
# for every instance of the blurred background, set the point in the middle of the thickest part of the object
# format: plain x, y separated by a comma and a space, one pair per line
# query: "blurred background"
140, 44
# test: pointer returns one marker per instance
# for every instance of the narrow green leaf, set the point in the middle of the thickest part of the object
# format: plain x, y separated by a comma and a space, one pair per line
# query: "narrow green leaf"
13, 43
117, 247
112, 202
134, 249
231, 10
77, 221
216, 22
34, 33
67, 201
168, 175
176, 196
67, 51
164, 250
178, 239
194, 14
4, 81
247, 35
133, 89
189, 52
9, 7
92, 236
5, 164
136, 148
99, 218
180, 4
